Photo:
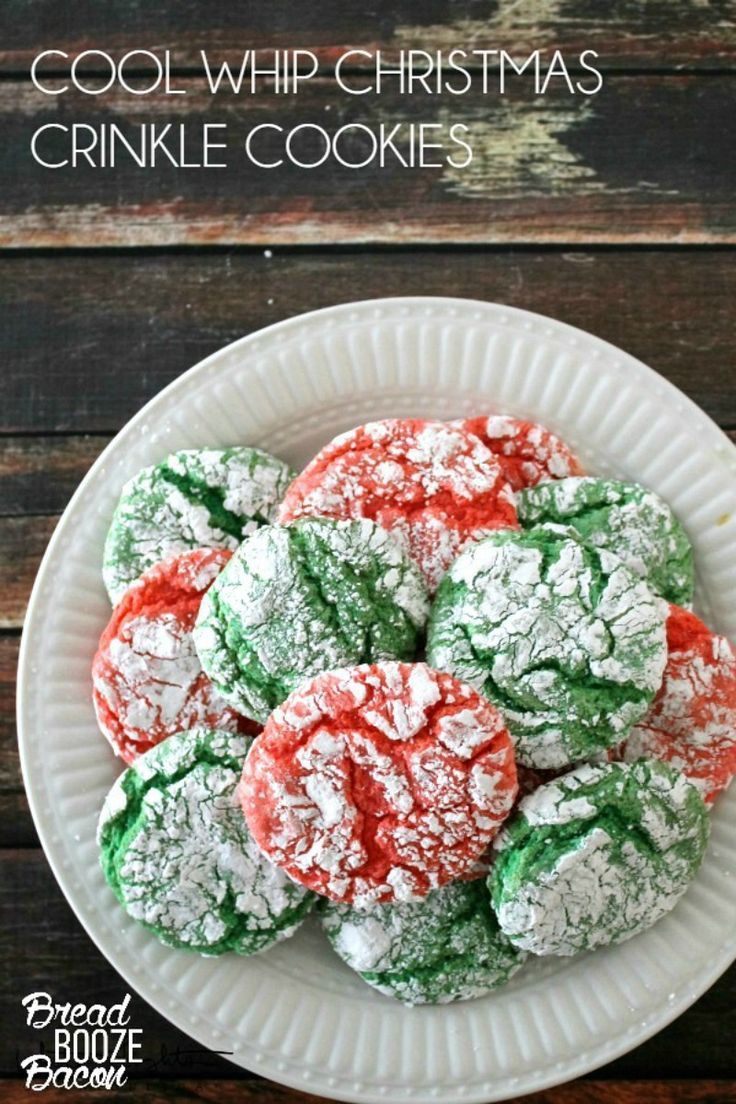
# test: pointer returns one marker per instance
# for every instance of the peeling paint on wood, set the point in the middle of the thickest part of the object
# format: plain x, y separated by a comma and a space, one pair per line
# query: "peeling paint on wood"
618, 31
640, 162
639, 32
518, 148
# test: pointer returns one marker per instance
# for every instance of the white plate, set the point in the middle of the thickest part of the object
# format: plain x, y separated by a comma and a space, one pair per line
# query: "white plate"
296, 1014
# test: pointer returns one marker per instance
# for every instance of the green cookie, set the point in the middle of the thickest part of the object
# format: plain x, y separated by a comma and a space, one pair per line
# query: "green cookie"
624, 518
446, 947
561, 636
176, 851
597, 856
309, 597
197, 498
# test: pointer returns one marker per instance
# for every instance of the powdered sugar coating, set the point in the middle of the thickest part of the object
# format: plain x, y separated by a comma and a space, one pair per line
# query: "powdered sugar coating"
597, 856
529, 453
692, 721
563, 637
625, 518
446, 947
301, 599
432, 485
147, 680
196, 498
177, 853
379, 783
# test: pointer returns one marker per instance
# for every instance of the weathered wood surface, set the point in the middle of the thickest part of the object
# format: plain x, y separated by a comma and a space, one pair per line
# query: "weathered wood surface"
45, 947
259, 1092
22, 543
39, 474
645, 161
637, 32
16, 826
87, 339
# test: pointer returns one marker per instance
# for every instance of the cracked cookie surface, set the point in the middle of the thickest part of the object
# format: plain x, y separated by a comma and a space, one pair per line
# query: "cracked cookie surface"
305, 598
692, 721
432, 485
528, 453
379, 783
177, 853
196, 498
624, 518
447, 947
562, 637
147, 681
597, 856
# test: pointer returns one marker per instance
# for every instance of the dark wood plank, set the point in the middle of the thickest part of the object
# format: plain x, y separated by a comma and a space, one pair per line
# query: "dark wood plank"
88, 339
43, 947
251, 1089
641, 33
46, 948
22, 544
38, 474
550, 168
260, 1092
16, 826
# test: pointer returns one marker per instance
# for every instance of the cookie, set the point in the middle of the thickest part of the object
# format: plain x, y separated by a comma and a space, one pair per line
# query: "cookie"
379, 783
623, 518
692, 721
432, 485
527, 452
597, 856
147, 681
563, 637
197, 498
177, 853
447, 947
297, 600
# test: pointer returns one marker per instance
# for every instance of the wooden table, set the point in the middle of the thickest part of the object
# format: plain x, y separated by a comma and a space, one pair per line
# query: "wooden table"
616, 213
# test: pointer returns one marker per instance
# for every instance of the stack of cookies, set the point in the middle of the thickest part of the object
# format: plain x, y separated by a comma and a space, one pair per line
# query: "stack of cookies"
441, 687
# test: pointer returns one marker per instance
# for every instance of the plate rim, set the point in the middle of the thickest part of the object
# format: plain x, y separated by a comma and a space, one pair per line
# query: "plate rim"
574, 1067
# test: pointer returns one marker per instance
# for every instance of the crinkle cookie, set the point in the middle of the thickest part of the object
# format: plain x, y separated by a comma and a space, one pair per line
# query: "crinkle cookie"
197, 498
177, 853
297, 600
623, 518
379, 783
692, 722
432, 485
529, 453
597, 856
563, 637
147, 680
447, 947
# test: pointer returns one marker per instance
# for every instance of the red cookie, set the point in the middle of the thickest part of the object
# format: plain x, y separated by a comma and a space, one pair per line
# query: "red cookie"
147, 680
379, 783
692, 721
433, 485
528, 453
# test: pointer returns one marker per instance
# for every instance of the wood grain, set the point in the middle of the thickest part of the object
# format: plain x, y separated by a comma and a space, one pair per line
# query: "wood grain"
38, 475
89, 338
45, 947
22, 544
637, 32
642, 162
16, 826
266, 1092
